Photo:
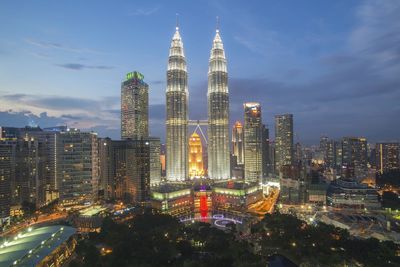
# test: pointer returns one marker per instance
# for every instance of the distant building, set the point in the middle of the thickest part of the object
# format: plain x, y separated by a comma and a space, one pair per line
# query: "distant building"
283, 140
106, 169
387, 157
253, 138
266, 163
196, 168
347, 193
354, 157
134, 107
155, 163
238, 143
7, 157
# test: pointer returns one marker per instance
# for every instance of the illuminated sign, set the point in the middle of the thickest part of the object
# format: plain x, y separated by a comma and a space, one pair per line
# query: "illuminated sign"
134, 75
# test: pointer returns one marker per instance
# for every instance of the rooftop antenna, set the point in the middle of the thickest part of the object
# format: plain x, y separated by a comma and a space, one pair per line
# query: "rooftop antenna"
217, 26
177, 21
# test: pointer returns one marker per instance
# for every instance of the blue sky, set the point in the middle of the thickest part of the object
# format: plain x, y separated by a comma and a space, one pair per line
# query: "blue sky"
334, 64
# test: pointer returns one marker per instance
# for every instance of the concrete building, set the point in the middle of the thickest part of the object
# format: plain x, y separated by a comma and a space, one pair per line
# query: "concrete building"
354, 157
387, 156
253, 139
155, 160
77, 167
134, 107
283, 140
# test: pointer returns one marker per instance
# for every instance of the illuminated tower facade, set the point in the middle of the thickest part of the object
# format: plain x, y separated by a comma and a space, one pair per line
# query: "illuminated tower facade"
218, 113
237, 142
134, 107
283, 140
195, 156
253, 138
387, 157
177, 112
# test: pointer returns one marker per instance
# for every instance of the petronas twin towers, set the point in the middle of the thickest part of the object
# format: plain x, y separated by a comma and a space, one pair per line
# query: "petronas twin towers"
177, 95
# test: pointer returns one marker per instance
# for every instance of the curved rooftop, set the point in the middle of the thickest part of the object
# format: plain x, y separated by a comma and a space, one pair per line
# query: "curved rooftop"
31, 246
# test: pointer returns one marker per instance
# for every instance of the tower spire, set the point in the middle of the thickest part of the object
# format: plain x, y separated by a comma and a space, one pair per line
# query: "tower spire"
177, 22
217, 25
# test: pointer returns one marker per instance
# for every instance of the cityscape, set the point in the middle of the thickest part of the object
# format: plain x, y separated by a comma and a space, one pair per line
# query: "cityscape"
228, 177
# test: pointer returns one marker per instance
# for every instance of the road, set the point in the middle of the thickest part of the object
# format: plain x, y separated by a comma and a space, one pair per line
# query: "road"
266, 205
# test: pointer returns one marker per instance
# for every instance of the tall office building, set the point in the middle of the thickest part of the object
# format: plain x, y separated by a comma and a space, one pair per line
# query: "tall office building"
253, 138
237, 143
283, 140
218, 112
134, 107
266, 164
177, 95
323, 145
7, 168
155, 163
330, 155
77, 166
106, 168
354, 157
387, 157
132, 170
196, 168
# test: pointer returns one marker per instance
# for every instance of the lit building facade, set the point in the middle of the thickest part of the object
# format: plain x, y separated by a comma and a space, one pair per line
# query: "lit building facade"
155, 160
354, 157
387, 156
132, 170
77, 167
238, 143
7, 156
283, 140
177, 95
196, 168
218, 113
253, 142
134, 107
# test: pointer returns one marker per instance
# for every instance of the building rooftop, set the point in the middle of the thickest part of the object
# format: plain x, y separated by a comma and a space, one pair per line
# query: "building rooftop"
31, 246
92, 211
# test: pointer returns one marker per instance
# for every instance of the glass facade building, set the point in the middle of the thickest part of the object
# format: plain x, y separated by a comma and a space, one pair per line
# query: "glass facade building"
134, 107
283, 141
253, 143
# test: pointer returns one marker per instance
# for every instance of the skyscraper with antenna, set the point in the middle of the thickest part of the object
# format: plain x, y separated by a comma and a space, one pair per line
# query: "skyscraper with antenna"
177, 95
218, 112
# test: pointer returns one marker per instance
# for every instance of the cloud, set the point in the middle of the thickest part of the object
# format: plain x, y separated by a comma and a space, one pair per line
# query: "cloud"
77, 66
144, 11
59, 46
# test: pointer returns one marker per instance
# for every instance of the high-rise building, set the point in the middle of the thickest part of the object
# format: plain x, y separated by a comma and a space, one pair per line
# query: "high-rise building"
77, 166
177, 95
330, 156
106, 169
7, 168
387, 157
266, 165
132, 170
155, 163
323, 146
218, 112
253, 138
283, 140
354, 157
134, 107
237, 143
196, 168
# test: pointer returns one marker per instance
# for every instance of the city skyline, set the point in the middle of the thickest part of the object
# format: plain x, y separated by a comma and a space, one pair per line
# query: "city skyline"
333, 81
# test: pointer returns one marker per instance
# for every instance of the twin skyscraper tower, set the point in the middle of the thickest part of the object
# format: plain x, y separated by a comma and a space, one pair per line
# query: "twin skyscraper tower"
177, 104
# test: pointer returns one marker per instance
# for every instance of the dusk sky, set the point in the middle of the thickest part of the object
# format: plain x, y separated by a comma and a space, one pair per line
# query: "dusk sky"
334, 64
